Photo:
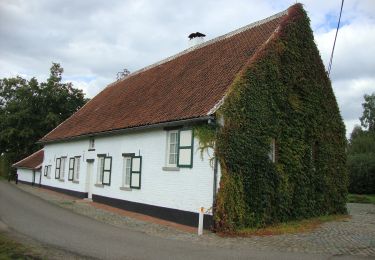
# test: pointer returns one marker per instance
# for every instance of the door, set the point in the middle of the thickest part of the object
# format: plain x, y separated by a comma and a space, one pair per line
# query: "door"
89, 182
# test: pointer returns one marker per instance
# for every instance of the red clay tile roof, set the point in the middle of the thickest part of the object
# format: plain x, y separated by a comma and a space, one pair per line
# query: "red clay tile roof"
33, 161
185, 86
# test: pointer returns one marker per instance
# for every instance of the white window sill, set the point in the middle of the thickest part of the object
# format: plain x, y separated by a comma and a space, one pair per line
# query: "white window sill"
99, 185
62, 180
171, 169
75, 181
126, 188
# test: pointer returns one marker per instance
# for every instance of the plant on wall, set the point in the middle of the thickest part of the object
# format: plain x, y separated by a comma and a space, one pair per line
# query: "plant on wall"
283, 96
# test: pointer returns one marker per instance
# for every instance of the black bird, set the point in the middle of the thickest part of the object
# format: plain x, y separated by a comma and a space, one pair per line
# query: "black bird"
197, 34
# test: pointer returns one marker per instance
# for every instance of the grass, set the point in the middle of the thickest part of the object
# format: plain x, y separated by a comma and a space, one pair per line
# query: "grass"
10, 249
361, 198
292, 227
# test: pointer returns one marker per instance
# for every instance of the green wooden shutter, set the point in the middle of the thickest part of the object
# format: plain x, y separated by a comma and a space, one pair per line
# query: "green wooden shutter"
57, 170
185, 148
107, 171
71, 169
136, 172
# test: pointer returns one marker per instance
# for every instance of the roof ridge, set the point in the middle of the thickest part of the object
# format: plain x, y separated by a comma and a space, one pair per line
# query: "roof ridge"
42, 149
201, 45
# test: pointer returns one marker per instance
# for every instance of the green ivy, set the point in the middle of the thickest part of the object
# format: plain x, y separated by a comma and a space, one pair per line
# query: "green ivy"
285, 95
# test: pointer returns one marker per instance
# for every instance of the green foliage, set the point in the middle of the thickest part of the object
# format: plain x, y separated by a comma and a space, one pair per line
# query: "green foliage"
284, 95
360, 198
29, 110
361, 163
206, 135
368, 117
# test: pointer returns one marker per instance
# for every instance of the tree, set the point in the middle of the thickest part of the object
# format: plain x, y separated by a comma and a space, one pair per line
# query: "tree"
368, 117
29, 110
361, 151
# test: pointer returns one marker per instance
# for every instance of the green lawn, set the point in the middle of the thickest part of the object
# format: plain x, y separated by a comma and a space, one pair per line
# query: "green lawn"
10, 249
361, 198
292, 227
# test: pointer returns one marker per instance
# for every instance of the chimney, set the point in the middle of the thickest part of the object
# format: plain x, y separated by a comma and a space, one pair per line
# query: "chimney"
196, 38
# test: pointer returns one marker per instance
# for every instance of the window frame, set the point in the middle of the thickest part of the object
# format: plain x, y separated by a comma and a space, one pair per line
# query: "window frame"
62, 167
91, 144
103, 170
191, 147
126, 156
77, 166
47, 171
169, 133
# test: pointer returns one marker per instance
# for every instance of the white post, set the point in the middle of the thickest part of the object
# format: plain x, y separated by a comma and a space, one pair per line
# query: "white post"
200, 222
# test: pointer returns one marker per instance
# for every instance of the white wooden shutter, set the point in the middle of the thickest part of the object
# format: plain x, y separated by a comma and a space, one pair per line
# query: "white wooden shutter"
185, 148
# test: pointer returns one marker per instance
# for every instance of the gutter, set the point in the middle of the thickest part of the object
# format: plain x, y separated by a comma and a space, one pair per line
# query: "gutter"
130, 129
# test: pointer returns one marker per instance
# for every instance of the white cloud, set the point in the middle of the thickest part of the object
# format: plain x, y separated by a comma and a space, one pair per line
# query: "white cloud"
93, 40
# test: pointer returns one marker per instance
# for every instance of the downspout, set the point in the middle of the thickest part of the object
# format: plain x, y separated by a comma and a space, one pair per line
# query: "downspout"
33, 182
40, 177
216, 162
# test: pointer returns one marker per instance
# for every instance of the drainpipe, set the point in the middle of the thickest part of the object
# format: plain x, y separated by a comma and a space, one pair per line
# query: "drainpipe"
40, 177
216, 162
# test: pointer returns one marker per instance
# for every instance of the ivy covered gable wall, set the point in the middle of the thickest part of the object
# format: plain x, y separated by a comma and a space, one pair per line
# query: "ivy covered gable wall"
282, 94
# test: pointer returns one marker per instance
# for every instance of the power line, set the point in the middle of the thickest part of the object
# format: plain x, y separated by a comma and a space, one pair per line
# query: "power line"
334, 43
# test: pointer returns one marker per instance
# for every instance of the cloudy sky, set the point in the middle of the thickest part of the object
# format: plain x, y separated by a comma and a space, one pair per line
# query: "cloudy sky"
95, 39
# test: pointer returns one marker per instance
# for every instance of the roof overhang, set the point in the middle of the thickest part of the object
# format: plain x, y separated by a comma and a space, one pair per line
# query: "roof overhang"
131, 129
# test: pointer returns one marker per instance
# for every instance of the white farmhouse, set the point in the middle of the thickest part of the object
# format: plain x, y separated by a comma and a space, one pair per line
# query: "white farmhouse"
133, 145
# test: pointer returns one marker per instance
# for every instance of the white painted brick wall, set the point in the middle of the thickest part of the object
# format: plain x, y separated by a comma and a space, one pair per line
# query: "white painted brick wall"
187, 189
26, 175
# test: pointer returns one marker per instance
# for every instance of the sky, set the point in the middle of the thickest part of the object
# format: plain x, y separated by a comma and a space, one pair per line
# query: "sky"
95, 39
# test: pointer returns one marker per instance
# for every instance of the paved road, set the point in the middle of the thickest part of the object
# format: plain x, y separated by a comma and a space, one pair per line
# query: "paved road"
58, 227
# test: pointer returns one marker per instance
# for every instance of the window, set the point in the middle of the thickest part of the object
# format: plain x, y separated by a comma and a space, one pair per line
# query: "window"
185, 148
272, 152
132, 168
104, 169
126, 170
74, 166
91, 144
62, 168
57, 170
47, 171
172, 148
77, 165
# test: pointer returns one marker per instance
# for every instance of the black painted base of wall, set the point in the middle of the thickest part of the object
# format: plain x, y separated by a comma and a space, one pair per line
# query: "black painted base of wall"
179, 216
26, 182
77, 194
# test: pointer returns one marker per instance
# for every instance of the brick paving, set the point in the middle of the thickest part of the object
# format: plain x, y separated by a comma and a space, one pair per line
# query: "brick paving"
350, 237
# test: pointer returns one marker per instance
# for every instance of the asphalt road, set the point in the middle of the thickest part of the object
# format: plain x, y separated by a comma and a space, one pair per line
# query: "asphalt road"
61, 228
